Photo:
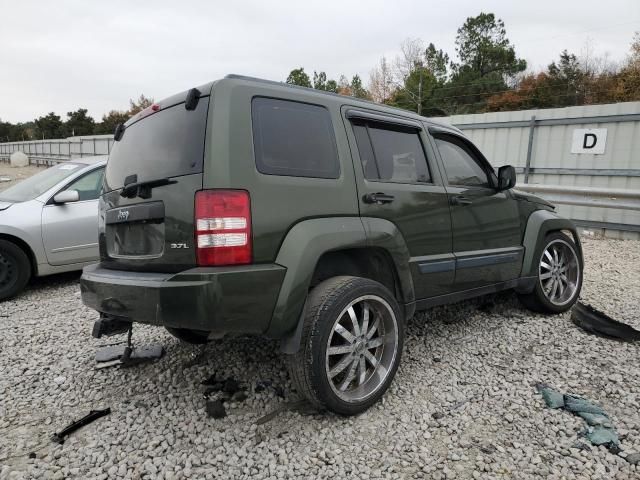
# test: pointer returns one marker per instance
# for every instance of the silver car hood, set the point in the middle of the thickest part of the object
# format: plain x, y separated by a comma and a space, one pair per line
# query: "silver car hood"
5, 205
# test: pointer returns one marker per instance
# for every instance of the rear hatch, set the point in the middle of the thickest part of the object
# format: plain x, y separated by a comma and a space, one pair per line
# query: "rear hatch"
153, 172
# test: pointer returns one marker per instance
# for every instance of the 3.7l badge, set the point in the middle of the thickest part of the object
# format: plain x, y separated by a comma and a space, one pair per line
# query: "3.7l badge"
179, 245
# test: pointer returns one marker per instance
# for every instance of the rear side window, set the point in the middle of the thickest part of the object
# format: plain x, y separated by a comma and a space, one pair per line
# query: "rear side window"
293, 139
168, 143
391, 154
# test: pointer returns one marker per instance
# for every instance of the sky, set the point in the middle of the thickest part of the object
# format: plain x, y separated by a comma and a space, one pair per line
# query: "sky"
69, 54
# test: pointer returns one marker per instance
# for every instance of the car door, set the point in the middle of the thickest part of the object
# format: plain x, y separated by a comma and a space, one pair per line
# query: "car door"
485, 222
398, 181
70, 230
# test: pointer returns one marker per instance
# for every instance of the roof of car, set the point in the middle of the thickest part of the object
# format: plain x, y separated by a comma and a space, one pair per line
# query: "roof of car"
365, 103
93, 160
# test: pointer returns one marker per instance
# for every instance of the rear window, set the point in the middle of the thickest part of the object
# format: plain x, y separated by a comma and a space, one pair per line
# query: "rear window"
165, 144
294, 139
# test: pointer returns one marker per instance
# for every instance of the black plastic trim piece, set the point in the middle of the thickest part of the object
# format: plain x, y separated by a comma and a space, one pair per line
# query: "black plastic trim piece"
389, 120
472, 293
118, 132
484, 260
437, 266
193, 96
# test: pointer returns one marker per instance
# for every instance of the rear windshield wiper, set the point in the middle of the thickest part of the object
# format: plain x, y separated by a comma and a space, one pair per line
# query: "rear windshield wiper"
132, 188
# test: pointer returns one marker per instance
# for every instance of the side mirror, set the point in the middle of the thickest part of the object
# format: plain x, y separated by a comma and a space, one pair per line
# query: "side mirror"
66, 196
506, 178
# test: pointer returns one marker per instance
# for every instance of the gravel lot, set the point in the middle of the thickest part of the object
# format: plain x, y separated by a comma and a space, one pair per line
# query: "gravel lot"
463, 404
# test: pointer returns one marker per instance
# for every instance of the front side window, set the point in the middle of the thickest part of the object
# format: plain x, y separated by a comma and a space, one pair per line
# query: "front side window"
390, 153
460, 163
293, 139
88, 186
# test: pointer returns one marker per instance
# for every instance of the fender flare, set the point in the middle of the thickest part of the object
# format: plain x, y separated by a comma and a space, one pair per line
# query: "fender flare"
300, 251
539, 224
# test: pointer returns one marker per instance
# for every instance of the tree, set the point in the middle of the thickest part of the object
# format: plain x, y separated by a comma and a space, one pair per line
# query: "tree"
353, 88
79, 123
320, 82
110, 121
483, 48
299, 77
381, 82
50, 126
487, 64
357, 89
142, 103
410, 58
437, 62
416, 94
627, 83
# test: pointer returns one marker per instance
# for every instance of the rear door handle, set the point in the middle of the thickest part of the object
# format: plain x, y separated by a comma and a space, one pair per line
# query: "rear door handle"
460, 200
378, 198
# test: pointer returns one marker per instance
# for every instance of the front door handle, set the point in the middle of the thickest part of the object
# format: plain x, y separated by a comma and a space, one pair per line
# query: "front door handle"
378, 198
460, 200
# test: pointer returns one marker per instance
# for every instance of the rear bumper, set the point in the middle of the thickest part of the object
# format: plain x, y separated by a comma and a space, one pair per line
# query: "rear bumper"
222, 299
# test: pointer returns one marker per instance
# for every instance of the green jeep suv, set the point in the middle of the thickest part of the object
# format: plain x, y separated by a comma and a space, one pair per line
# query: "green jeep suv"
246, 206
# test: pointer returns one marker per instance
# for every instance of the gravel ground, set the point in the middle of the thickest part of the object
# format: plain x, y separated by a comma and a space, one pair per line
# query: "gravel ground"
463, 404
16, 174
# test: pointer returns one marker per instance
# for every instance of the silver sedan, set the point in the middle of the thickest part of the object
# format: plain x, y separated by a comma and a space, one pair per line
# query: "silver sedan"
49, 223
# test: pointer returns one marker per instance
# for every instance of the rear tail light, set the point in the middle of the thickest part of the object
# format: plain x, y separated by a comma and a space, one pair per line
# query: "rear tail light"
223, 227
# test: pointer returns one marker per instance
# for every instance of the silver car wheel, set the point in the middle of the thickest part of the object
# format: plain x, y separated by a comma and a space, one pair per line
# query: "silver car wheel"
559, 272
362, 348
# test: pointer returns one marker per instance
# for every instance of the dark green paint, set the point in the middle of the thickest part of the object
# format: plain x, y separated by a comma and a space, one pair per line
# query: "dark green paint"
488, 245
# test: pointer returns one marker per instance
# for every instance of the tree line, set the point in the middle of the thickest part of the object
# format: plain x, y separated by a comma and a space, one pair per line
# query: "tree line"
77, 123
484, 75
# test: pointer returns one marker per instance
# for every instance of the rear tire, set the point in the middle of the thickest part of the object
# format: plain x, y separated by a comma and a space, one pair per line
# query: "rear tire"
559, 276
351, 345
194, 337
15, 269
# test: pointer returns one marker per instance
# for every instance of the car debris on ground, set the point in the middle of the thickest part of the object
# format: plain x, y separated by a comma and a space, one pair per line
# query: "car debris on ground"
93, 415
601, 430
159, 422
596, 322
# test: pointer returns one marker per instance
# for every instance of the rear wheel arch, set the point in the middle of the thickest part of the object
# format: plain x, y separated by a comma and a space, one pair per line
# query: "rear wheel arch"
322, 248
374, 263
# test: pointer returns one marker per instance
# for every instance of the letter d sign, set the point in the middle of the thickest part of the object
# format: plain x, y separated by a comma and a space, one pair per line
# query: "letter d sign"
592, 140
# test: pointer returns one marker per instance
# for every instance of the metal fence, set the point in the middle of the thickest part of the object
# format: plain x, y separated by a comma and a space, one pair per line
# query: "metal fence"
50, 152
556, 147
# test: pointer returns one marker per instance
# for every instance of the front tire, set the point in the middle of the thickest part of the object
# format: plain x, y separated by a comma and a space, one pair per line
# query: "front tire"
351, 346
15, 269
559, 276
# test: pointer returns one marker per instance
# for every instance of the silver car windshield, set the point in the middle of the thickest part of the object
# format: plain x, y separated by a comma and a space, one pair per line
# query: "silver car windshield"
39, 183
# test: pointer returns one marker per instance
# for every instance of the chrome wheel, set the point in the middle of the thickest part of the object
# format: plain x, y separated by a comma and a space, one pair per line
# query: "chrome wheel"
559, 272
361, 348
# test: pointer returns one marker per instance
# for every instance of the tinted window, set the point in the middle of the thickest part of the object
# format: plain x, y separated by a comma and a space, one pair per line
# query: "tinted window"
168, 143
391, 154
460, 164
294, 139
88, 186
